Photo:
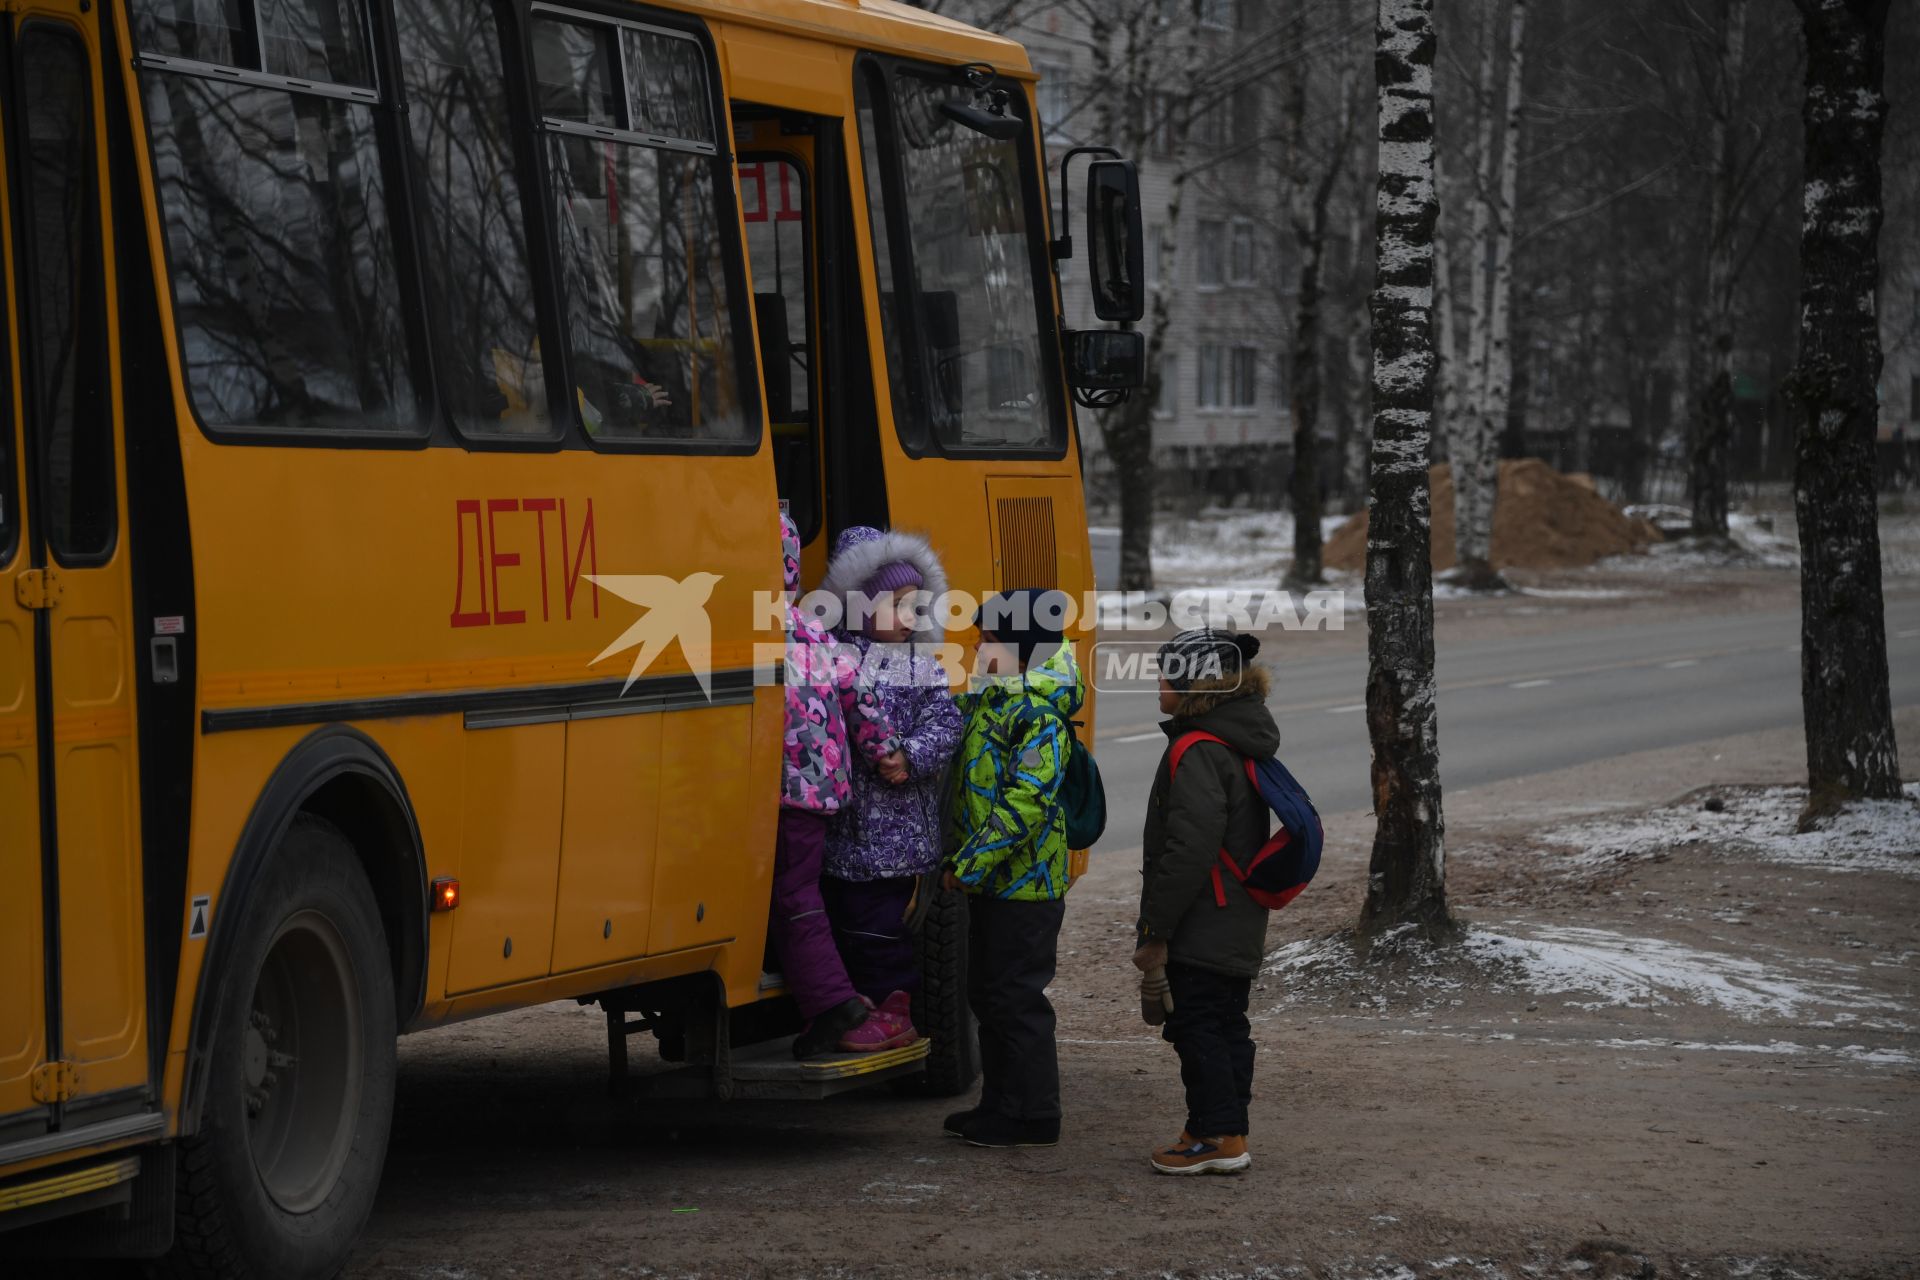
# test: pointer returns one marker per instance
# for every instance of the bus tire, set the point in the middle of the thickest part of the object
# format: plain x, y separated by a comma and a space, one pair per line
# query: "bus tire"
279, 1179
940, 1008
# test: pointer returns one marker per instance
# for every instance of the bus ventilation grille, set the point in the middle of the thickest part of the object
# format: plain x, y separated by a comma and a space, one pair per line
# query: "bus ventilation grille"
1028, 552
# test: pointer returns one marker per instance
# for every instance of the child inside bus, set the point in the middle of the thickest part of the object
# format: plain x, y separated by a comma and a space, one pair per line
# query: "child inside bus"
1009, 853
828, 702
888, 836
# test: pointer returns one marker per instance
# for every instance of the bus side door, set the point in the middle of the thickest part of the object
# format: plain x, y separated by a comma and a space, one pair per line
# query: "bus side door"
71, 919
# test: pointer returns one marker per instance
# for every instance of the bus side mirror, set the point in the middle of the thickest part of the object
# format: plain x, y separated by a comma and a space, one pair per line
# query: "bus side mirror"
1108, 363
1114, 241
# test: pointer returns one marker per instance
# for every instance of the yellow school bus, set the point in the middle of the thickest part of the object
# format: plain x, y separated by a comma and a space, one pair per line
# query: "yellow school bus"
371, 365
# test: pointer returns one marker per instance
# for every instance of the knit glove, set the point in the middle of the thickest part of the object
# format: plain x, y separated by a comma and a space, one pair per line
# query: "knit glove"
1156, 997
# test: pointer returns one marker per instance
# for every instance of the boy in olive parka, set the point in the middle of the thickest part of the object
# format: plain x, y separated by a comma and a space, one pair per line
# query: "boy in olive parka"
1211, 950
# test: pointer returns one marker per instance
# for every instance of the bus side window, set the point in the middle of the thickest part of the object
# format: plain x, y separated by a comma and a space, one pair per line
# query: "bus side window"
773, 191
480, 279
632, 155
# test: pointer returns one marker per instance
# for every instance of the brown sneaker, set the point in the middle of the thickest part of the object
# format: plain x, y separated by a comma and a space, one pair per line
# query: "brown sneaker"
1226, 1154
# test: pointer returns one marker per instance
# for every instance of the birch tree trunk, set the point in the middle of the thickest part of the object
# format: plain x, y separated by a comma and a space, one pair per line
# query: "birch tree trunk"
1843, 640
1468, 439
1713, 397
1475, 546
1406, 882
1446, 372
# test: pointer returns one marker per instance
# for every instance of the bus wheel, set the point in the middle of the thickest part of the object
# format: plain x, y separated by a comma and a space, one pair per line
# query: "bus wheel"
940, 1009
282, 1173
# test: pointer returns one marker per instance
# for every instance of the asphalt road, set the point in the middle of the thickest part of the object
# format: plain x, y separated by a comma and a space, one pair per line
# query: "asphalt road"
1511, 706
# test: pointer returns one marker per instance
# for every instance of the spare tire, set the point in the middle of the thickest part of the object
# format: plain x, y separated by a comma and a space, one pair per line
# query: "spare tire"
940, 1008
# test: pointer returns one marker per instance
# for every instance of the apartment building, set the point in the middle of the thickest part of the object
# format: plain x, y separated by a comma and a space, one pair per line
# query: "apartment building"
1221, 426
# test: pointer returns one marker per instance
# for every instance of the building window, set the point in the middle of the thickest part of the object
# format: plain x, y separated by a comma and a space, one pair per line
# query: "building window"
1209, 127
1245, 108
1056, 99
1212, 245
1240, 252
1221, 15
1244, 377
1158, 124
1166, 396
1210, 386
1156, 246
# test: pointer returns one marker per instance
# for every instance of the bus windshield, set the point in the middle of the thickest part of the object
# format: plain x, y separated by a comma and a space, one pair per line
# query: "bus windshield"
959, 273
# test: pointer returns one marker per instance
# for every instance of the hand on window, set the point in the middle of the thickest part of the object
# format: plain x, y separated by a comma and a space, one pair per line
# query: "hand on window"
652, 394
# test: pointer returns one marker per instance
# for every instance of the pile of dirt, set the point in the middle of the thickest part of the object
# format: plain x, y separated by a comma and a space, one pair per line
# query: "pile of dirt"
1542, 520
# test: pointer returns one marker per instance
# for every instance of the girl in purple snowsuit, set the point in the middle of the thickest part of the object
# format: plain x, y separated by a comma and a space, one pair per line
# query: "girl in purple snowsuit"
888, 836
828, 700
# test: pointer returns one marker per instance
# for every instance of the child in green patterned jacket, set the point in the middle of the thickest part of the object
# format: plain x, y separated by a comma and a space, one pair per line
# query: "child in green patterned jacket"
1007, 850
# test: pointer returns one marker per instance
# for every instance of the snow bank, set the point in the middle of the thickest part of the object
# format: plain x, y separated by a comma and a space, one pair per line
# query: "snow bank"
1752, 543
1759, 822
1588, 968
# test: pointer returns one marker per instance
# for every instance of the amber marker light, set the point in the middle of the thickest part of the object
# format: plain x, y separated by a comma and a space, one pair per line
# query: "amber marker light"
446, 893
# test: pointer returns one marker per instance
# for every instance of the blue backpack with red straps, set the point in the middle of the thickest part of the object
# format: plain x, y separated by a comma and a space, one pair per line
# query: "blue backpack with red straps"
1280, 868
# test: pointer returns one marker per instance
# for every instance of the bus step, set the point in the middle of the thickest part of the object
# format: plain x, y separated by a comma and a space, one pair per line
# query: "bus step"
769, 1071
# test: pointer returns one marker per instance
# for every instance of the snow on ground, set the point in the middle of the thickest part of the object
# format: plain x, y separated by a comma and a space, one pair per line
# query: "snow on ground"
1900, 536
1624, 969
1760, 822
1589, 968
1754, 542
1247, 550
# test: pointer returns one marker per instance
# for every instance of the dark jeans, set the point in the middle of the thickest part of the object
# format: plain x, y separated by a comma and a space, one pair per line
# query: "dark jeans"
1208, 1028
870, 928
1011, 949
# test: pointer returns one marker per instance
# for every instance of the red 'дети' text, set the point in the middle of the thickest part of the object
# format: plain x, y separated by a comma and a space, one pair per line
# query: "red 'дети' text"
521, 524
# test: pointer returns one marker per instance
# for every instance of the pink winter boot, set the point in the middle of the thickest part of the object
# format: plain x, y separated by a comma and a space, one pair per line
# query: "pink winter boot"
898, 1008
881, 1030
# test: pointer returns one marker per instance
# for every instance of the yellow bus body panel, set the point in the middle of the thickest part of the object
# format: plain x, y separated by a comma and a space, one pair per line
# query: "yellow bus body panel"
613, 851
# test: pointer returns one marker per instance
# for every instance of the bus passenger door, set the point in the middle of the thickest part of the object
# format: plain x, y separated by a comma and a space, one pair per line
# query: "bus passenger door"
776, 177
72, 920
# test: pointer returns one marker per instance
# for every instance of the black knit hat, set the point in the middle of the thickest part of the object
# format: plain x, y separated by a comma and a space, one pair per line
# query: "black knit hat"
1206, 653
1027, 618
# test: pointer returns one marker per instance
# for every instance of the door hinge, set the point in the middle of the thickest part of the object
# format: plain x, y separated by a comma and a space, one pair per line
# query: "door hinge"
55, 1081
37, 588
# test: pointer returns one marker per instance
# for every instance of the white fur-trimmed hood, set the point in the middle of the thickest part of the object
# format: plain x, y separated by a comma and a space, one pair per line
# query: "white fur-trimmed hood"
852, 567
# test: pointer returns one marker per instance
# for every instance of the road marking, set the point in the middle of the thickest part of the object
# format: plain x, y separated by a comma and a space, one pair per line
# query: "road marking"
1909, 633
1528, 684
1684, 662
1341, 711
1139, 737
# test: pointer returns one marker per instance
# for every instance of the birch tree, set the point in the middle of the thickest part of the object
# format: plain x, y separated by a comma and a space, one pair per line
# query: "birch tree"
1843, 640
1406, 882
1476, 570
1712, 360
1474, 429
